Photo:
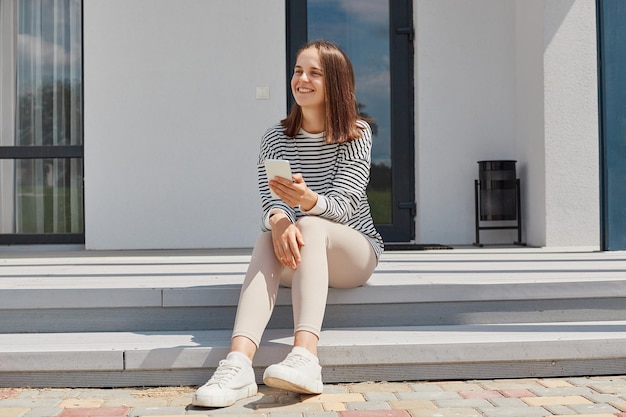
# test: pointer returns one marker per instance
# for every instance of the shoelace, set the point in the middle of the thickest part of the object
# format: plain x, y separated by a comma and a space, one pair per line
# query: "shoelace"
224, 373
295, 361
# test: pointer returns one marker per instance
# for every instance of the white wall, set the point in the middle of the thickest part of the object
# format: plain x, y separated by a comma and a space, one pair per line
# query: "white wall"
465, 100
530, 140
571, 124
172, 123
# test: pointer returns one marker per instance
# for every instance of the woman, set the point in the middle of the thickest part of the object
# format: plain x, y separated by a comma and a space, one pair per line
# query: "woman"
318, 234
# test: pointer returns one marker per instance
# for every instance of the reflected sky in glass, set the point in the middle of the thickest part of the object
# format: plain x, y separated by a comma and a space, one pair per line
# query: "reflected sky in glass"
361, 29
48, 42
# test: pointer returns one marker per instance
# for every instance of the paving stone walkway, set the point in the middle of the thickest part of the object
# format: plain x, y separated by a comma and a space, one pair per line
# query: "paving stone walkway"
580, 396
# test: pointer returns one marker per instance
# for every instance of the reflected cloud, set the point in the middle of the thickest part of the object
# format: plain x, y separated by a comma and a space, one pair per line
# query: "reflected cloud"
377, 83
366, 10
51, 58
47, 52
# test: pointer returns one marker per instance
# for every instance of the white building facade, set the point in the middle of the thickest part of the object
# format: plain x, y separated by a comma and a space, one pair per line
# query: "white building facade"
177, 94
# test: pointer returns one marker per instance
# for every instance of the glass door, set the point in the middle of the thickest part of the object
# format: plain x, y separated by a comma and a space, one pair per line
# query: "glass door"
377, 35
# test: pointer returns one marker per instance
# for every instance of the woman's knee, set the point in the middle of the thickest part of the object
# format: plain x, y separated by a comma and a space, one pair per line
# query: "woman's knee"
307, 220
311, 223
263, 245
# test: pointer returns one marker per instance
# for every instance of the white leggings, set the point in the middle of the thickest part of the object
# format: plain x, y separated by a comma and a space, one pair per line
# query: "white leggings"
334, 255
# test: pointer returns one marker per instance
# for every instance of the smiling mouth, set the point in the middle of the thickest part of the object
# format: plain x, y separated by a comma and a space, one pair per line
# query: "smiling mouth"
304, 90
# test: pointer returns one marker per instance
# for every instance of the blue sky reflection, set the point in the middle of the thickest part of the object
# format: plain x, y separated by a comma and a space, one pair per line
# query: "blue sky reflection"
361, 29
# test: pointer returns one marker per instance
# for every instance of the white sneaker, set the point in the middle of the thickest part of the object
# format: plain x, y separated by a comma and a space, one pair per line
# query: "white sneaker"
299, 372
233, 380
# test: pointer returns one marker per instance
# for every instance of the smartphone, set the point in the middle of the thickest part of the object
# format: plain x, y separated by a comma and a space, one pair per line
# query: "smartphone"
277, 168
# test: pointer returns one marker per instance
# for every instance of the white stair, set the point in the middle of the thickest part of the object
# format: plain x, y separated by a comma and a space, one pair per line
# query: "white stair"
156, 318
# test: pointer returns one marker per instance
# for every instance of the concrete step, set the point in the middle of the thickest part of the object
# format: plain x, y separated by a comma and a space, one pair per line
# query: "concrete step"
347, 354
156, 291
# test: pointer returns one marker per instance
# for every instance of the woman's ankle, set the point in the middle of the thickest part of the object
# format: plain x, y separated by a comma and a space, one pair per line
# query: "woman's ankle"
306, 340
244, 346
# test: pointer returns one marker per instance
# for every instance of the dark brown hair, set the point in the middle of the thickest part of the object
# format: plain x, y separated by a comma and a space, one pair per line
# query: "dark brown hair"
341, 108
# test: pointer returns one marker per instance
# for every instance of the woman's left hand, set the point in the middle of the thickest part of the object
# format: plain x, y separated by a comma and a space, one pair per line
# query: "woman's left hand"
295, 193
287, 241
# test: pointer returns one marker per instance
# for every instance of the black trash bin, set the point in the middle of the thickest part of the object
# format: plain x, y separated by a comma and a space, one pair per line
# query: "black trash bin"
498, 198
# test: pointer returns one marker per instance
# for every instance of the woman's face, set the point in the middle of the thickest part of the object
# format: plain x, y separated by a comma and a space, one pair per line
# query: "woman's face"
307, 82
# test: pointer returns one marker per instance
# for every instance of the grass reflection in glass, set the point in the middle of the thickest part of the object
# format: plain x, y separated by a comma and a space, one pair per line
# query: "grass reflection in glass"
379, 193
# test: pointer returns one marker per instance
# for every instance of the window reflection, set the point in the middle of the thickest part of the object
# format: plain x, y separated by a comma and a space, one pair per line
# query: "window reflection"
361, 29
48, 192
49, 197
49, 73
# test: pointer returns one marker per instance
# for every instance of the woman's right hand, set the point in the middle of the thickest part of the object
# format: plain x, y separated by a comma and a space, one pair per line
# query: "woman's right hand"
287, 240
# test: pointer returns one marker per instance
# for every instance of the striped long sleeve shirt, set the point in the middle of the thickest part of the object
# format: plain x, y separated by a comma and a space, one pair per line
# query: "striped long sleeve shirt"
338, 173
